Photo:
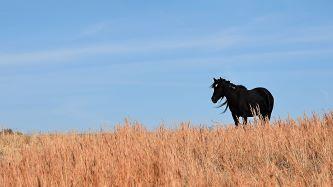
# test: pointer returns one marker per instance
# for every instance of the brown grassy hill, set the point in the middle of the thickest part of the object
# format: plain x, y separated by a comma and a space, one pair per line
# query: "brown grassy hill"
281, 153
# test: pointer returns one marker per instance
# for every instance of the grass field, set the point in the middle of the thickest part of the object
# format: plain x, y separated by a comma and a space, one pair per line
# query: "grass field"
285, 152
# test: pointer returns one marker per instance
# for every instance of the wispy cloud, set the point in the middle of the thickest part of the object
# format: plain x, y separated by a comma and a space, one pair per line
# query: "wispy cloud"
305, 53
54, 55
236, 37
63, 54
68, 54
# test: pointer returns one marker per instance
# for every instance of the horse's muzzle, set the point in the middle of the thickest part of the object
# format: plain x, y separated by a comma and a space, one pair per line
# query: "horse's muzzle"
214, 100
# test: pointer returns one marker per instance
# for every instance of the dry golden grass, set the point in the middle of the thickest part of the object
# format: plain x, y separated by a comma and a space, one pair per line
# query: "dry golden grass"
282, 153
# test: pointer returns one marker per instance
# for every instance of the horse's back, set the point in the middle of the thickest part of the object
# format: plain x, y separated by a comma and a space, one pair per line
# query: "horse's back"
262, 91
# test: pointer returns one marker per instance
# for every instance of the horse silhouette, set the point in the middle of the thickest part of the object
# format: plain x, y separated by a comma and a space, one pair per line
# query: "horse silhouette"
241, 101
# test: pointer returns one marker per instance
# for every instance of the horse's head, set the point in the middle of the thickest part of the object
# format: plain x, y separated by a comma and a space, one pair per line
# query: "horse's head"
218, 87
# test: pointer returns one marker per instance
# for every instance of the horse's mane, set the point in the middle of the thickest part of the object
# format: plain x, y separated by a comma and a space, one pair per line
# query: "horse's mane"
241, 87
227, 83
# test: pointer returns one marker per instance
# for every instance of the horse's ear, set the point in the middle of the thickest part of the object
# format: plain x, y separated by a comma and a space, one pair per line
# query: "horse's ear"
214, 79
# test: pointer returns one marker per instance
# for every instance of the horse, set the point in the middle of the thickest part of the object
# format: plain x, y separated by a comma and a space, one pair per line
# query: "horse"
241, 101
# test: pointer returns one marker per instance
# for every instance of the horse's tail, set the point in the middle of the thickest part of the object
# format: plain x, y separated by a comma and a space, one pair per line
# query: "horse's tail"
270, 102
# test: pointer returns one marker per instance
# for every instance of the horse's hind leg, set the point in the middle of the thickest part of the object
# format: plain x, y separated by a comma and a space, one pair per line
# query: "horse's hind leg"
268, 116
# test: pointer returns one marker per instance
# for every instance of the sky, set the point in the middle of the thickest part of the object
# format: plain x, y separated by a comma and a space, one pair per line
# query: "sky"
86, 65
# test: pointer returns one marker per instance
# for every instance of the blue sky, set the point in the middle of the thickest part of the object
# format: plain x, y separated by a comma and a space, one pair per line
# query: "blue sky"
82, 65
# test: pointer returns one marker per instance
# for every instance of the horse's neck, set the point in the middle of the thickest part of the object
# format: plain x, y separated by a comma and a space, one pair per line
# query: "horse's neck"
231, 95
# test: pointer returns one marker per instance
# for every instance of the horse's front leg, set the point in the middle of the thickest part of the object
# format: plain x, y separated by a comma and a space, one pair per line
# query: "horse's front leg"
236, 119
245, 120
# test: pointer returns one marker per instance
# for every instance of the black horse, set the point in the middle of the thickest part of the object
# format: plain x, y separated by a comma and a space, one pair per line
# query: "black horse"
241, 101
